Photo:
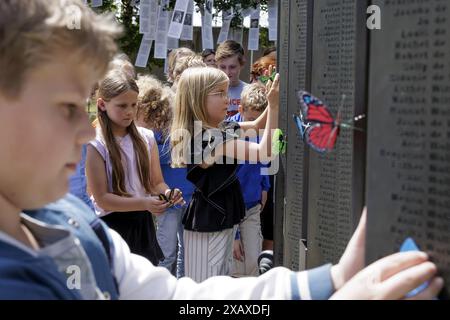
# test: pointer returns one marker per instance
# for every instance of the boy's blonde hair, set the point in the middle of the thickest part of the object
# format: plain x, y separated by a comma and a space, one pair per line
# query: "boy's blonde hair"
155, 102
190, 105
32, 32
254, 98
174, 55
229, 48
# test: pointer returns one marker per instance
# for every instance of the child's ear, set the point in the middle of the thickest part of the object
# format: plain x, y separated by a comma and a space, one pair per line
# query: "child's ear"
101, 104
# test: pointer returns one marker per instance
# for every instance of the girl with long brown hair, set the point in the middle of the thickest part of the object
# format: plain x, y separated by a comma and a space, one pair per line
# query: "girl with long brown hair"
123, 169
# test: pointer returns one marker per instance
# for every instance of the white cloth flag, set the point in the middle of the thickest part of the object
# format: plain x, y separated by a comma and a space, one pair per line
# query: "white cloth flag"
161, 31
253, 34
273, 20
227, 16
148, 18
207, 33
144, 53
177, 20
188, 28
172, 43
97, 3
236, 34
247, 12
144, 16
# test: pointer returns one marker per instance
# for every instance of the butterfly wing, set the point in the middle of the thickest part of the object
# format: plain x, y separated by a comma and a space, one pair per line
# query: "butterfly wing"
322, 136
313, 109
300, 126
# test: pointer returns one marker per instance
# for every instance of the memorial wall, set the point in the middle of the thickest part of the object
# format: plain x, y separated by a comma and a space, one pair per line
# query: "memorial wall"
408, 165
395, 72
323, 51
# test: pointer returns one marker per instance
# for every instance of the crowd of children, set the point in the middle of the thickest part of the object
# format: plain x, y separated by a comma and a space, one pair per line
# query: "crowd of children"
173, 174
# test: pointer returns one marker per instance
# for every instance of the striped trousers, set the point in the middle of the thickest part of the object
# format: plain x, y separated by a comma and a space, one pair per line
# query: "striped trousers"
208, 254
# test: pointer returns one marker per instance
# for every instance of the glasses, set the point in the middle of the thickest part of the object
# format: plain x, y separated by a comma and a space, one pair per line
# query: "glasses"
222, 94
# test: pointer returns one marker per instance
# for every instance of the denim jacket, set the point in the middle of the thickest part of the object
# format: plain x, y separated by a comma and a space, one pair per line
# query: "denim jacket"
27, 277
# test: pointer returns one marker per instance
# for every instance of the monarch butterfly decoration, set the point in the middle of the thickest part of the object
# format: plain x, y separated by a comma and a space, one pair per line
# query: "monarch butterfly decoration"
278, 142
317, 126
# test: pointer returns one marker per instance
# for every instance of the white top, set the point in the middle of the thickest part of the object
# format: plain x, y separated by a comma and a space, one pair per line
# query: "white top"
133, 183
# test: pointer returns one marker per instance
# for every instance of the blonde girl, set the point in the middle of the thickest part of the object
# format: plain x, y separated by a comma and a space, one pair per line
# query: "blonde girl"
210, 148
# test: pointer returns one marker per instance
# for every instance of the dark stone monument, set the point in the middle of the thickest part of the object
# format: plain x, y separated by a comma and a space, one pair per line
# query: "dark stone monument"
408, 167
294, 64
283, 69
336, 179
322, 49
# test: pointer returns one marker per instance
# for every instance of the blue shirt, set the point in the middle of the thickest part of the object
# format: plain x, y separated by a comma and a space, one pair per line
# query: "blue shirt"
174, 177
250, 178
234, 94
77, 182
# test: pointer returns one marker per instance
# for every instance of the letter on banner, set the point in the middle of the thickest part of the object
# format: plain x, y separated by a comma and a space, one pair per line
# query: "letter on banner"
188, 28
177, 20
144, 16
144, 53
150, 33
227, 16
207, 33
161, 31
97, 3
236, 34
273, 19
172, 43
253, 34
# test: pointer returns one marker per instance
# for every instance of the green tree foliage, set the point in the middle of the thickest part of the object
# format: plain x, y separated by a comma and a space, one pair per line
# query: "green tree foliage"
127, 14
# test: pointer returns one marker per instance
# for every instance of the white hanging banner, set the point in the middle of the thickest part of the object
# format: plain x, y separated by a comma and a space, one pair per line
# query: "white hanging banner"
247, 12
273, 19
188, 28
207, 33
236, 34
148, 18
144, 53
172, 43
161, 31
96, 3
144, 16
253, 33
227, 16
177, 21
